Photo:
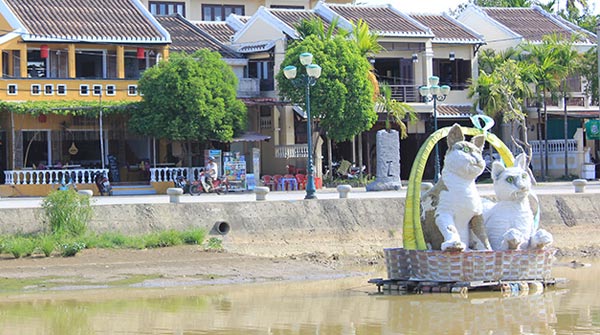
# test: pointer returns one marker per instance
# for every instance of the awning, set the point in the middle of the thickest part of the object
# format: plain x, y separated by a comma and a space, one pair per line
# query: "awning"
251, 137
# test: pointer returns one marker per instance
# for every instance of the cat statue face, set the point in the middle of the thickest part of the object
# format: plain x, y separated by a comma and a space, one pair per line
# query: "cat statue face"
451, 210
464, 158
510, 223
511, 183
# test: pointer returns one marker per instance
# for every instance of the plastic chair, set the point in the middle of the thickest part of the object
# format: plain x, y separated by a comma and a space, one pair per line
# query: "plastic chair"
289, 182
276, 181
301, 180
268, 181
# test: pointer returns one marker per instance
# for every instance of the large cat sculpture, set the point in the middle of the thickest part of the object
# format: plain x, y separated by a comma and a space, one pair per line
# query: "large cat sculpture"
510, 222
452, 210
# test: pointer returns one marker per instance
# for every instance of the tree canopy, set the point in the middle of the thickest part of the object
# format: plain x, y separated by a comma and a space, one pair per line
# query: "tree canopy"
342, 98
189, 98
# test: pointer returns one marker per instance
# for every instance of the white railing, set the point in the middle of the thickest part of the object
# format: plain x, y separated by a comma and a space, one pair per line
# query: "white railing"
291, 151
170, 173
41, 177
553, 145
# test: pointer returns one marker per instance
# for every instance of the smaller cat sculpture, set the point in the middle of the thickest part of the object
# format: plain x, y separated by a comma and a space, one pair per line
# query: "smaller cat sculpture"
510, 223
452, 210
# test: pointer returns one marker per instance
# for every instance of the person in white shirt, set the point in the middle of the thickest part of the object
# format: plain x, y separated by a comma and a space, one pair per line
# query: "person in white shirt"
211, 171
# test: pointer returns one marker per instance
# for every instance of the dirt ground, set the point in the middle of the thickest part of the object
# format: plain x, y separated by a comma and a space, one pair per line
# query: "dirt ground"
194, 266
168, 267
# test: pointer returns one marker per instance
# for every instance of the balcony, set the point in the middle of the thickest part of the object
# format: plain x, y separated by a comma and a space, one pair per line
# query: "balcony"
291, 151
405, 93
248, 88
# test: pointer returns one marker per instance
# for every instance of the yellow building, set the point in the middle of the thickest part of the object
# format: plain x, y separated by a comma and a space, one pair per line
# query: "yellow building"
76, 57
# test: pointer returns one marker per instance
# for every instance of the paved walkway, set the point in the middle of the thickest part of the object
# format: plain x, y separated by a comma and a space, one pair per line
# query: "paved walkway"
593, 187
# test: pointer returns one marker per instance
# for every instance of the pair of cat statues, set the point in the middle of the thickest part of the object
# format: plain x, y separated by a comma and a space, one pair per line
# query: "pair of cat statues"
455, 218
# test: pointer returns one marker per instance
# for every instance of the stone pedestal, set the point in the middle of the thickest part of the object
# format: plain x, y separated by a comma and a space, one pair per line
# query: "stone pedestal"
388, 162
174, 193
344, 190
261, 193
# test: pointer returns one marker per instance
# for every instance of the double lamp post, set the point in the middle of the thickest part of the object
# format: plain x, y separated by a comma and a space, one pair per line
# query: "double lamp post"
313, 71
434, 92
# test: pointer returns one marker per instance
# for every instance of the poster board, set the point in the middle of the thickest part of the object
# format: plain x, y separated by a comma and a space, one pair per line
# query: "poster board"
592, 130
234, 168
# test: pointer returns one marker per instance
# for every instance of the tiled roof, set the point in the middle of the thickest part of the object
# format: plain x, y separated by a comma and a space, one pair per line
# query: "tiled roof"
446, 29
217, 29
123, 21
187, 37
292, 17
454, 111
381, 19
531, 23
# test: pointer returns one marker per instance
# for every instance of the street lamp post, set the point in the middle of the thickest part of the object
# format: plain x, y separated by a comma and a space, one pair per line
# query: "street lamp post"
435, 93
313, 71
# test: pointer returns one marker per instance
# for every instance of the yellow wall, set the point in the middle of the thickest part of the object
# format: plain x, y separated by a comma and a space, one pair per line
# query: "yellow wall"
24, 89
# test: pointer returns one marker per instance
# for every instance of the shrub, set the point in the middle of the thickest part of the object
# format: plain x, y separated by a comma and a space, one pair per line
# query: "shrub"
194, 236
46, 244
20, 246
71, 248
214, 244
67, 212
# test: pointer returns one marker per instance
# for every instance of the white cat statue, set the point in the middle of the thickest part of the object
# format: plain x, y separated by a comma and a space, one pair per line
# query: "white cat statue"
510, 223
452, 210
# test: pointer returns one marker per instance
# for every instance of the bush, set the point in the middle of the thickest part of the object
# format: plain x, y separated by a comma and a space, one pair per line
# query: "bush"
194, 236
67, 212
46, 244
20, 246
71, 248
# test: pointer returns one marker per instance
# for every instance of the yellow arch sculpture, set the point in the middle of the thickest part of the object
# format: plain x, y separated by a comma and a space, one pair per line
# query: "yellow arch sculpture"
412, 235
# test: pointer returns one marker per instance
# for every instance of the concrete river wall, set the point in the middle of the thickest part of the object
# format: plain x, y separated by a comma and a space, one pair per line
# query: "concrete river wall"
333, 226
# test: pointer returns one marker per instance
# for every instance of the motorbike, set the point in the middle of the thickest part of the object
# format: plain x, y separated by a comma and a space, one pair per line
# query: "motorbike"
182, 183
219, 185
103, 184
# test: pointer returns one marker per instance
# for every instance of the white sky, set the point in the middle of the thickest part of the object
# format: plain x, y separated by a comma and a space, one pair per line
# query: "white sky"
439, 6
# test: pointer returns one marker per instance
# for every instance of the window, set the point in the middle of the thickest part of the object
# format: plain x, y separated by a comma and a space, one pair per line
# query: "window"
36, 65
97, 90
167, 8
12, 89
84, 90
220, 12
132, 90
35, 89
111, 90
90, 64
48, 89
262, 70
286, 7
455, 73
61, 89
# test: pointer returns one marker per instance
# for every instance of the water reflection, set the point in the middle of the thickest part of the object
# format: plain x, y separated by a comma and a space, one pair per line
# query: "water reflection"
347, 306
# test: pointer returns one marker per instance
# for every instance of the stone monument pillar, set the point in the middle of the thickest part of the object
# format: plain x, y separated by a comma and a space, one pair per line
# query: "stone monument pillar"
388, 162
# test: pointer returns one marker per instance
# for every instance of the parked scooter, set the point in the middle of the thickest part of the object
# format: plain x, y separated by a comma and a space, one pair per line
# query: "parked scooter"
219, 185
182, 183
102, 182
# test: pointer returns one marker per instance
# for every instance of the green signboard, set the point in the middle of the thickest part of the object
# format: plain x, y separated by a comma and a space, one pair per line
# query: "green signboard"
592, 130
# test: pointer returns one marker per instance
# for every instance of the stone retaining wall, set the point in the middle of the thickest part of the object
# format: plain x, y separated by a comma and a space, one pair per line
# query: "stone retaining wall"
279, 228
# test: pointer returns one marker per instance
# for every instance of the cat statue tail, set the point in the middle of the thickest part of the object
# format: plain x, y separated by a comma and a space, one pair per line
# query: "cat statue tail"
534, 203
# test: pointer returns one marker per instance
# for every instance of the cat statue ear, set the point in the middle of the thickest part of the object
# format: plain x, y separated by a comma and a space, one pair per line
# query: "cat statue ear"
521, 161
497, 169
479, 141
455, 135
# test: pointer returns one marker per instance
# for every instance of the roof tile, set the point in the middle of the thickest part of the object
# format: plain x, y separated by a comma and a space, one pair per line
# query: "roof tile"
187, 37
445, 29
380, 19
85, 20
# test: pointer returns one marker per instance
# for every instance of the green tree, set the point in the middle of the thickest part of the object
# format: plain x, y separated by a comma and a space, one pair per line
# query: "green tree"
189, 98
342, 98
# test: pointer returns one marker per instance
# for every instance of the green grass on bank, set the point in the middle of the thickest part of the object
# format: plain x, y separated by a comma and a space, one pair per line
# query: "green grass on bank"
47, 245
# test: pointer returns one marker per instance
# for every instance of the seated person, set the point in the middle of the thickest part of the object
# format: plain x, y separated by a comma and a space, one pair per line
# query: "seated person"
210, 173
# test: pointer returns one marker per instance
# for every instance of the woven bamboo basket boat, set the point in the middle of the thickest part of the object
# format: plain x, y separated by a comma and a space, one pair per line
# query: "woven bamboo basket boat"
415, 262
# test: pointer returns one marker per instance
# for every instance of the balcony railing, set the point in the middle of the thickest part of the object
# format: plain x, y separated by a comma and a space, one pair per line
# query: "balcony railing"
405, 93
248, 87
170, 173
19, 89
291, 151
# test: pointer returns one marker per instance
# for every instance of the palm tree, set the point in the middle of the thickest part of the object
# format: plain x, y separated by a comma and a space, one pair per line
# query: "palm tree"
394, 110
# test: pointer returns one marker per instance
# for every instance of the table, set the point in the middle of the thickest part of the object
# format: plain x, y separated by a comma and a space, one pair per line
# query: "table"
291, 181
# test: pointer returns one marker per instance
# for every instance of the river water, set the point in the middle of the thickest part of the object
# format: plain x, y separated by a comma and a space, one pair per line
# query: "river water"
340, 306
